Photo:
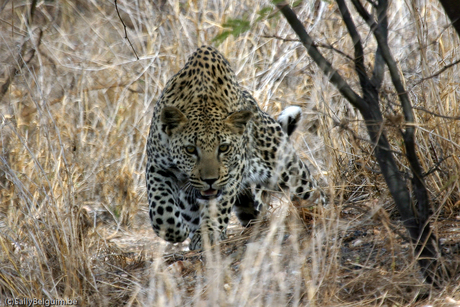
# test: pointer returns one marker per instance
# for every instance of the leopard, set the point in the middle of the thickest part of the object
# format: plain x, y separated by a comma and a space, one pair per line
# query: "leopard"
212, 150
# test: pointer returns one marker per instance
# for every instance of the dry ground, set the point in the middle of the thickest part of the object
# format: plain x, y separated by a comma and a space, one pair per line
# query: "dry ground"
73, 125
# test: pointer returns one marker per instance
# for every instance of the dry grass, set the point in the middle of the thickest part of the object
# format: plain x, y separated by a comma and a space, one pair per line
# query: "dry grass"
74, 122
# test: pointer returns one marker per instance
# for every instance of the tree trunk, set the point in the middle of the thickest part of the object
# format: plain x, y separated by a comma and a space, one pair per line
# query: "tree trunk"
452, 8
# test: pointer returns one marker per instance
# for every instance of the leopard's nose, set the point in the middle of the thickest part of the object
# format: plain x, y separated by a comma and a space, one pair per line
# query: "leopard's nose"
210, 181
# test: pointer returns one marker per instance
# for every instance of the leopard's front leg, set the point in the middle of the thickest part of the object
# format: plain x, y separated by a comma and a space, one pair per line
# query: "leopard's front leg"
214, 218
164, 205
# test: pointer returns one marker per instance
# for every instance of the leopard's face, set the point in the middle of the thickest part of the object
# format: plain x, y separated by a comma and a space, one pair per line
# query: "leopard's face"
208, 151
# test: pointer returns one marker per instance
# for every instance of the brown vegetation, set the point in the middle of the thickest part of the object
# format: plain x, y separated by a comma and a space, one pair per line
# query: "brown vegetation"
73, 125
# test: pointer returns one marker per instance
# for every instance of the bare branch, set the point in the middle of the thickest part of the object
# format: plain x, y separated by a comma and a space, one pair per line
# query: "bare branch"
424, 236
281, 38
319, 45
438, 72
3, 5
24, 56
379, 63
358, 46
436, 114
391, 63
26, 111
31, 12
126, 32
435, 167
324, 64
416, 222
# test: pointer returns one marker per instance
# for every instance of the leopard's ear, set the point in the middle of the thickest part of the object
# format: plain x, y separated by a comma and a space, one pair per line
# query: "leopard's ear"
172, 119
237, 121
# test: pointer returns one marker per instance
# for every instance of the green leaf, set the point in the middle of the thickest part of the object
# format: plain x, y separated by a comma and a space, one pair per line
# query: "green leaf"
236, 28
297, 3
263, 13
219, 39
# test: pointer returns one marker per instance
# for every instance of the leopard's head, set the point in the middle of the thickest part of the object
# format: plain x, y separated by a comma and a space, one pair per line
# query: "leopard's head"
208, 149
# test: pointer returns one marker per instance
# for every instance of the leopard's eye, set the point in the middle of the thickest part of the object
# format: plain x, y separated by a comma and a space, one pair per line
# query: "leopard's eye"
223, 148
190, 149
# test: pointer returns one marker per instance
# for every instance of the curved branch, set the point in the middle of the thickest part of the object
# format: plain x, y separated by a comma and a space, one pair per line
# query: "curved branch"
358, 46
379, 63
126, 32
324, 64
409, 134
425, 240
319, 45
24, 56
391, 63
369, 107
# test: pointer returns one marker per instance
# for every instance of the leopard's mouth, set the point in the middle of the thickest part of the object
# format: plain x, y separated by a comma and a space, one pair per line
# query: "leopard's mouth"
209, 194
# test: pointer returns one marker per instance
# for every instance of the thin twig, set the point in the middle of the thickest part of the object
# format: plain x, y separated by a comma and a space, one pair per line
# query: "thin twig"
126, 32
3, 5
30, 110
436, 166
24, 57
382, 41
335, 78
438, 72
436, 114
343, 125
358, 46
320, 45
